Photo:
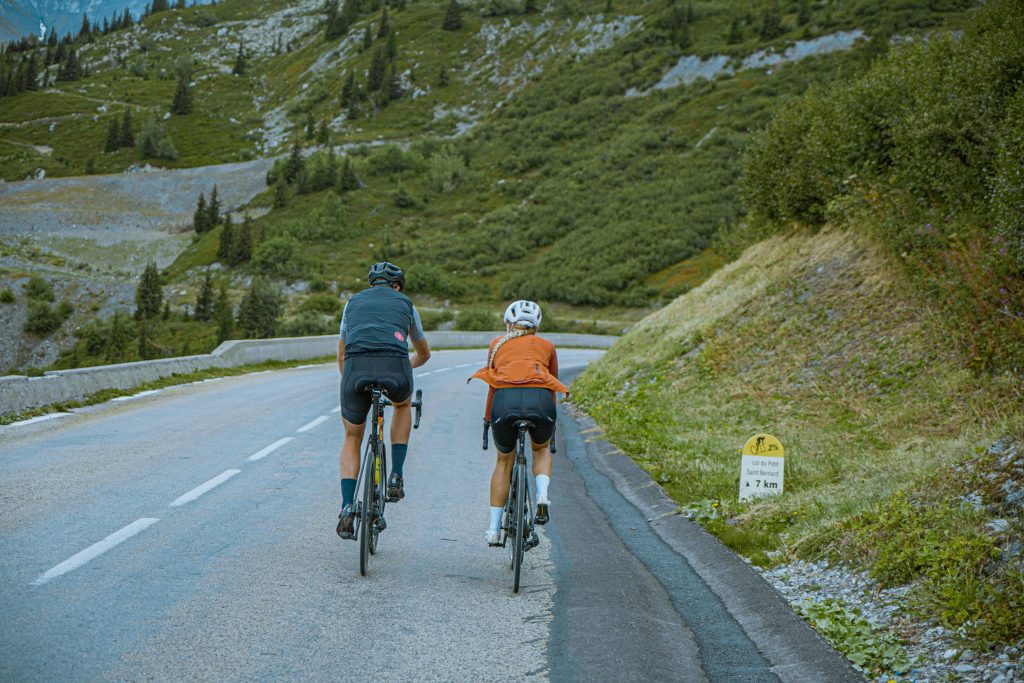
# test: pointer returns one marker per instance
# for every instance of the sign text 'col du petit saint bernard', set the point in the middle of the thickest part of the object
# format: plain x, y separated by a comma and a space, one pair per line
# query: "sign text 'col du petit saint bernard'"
762, 468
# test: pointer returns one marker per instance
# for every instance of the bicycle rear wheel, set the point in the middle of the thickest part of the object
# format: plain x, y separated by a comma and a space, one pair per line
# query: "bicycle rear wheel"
519, 526
379, 490
366, 526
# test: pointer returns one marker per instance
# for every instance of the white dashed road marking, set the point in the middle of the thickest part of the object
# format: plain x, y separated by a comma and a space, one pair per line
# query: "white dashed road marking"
315, 423
337, 410
96, 549
203, 488
268, 450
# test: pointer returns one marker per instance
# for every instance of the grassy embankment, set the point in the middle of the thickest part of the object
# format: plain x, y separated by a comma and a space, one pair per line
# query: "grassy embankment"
885, 349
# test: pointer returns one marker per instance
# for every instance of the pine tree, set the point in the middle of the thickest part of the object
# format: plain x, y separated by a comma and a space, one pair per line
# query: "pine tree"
145, 352
85, 30
348, 91
259, 310
118, 337
735, 32
804, 17
32, 73
295, 165
442, 77
70, 70
241, 64
367, 38
224, 314
530, 7
385, 24
213, 216
378, 70
310, 127
182, 103
127, 136
113, 136
392, 46
452, 17
204, 300
393, 85
226, 247
149, 294
347, 179
280, 193
771, 23
323, 133
243, 241
199, 217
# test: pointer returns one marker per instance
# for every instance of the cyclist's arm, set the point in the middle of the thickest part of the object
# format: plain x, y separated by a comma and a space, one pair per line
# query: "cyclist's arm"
419, 340
341, 343
422, 354
553, 363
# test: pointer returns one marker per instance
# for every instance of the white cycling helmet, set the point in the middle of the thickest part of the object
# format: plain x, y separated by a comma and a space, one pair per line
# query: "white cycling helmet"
523, 312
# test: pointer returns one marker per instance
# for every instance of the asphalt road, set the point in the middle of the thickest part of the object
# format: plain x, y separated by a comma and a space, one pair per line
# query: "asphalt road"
189, 535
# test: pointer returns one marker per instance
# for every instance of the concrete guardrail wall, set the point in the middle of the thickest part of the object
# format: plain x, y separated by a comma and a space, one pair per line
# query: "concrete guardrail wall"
20, 393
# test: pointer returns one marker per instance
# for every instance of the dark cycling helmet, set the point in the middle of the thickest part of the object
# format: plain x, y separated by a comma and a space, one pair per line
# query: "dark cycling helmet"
386, 272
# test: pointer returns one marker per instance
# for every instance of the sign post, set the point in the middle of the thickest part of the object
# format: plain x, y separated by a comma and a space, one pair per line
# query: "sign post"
762, 468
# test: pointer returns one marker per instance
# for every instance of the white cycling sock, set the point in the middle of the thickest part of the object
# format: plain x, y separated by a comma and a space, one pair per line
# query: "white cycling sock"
496, 518
542, 488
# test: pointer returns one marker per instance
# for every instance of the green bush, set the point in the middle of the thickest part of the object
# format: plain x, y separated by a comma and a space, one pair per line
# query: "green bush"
477, 320
278, 257
38, 289
44, 319
6, 295
323, 304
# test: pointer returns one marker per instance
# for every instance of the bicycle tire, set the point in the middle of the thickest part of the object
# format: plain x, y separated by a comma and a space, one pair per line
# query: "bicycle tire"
380, 489
520, 512
365, 525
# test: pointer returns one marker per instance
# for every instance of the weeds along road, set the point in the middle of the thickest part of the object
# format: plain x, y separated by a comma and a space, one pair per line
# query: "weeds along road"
189, 535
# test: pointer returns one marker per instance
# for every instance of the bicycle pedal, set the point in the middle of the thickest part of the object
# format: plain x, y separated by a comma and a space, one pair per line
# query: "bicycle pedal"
381, 524
532, 542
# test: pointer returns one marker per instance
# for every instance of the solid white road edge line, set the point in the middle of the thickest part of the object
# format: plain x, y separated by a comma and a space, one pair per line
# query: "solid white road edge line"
203, 488
40, 418
315, 423
268, 450
96, 549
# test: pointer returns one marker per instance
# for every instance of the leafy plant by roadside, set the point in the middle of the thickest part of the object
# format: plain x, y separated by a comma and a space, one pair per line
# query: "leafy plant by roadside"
870, 649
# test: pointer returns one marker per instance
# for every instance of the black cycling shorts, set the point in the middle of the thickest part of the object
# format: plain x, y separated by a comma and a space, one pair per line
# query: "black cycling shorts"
535, 404
394, 373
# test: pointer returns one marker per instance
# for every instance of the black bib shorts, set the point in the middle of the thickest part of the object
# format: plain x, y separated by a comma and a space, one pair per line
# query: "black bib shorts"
394, 373
536, 404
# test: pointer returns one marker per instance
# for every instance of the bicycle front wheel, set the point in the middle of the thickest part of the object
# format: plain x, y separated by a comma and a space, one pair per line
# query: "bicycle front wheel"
519, 526
366, 526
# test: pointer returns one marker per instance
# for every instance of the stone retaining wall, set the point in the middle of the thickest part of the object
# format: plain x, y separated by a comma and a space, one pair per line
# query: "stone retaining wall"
20, 393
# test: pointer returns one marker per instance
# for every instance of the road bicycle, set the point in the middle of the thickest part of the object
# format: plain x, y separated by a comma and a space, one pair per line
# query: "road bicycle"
517, 522
369, 507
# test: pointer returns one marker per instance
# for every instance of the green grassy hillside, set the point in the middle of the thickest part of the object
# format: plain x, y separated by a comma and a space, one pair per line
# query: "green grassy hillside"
877, 332
563, 188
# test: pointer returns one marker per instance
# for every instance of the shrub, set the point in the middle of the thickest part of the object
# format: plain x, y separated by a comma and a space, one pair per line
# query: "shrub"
278, 256
44, 319
323, 304
6, 295
477, 319
38, 289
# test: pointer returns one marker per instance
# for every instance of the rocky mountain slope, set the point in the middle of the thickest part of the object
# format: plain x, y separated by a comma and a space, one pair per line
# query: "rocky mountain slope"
581, 153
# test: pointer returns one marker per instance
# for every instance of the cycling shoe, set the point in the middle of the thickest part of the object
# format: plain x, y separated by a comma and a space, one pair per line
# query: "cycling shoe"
346, 523
543, 515
396, 488
493, 538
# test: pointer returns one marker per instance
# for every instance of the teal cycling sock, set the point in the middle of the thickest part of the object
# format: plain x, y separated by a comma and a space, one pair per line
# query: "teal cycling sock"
398, 453
348, 491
